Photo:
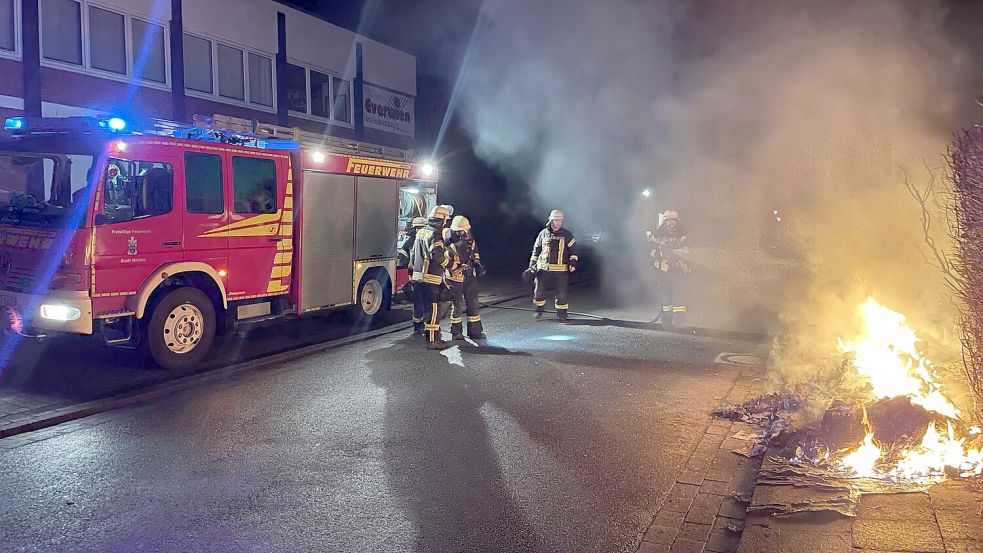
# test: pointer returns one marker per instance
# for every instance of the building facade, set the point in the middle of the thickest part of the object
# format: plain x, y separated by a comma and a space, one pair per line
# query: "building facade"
173, 59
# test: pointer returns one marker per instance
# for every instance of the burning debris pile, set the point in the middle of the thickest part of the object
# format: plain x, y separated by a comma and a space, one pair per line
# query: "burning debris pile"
894, 422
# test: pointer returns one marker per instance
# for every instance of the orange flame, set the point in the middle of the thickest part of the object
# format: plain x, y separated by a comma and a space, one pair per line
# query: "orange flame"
887, 355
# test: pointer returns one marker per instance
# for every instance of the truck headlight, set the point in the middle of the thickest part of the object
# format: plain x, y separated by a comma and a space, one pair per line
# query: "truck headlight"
60, 312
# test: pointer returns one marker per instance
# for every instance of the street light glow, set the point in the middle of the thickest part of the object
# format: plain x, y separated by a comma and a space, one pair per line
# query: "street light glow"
646, 193
427, 169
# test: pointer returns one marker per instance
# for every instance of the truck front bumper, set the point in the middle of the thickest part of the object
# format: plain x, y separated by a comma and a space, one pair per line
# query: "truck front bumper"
57, 311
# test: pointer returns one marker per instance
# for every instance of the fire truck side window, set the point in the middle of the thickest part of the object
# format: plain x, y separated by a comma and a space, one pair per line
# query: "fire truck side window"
136, 189
254, 185
203, 182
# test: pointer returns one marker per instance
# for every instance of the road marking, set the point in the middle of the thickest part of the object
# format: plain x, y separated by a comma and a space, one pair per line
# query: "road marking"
453, 356
741, 359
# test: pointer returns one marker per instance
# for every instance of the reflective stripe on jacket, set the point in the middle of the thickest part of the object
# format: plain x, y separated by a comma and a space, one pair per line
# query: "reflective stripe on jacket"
554, 251
428, 256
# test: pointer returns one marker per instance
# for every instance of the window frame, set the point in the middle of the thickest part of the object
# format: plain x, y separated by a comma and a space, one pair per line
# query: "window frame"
86, 67
214, 95
331, 80
276, 183
17, 52
103, 195
221, 183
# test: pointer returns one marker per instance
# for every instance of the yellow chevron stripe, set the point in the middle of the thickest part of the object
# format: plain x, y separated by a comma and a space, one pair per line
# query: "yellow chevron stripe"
283, 258
280, 271
265, 219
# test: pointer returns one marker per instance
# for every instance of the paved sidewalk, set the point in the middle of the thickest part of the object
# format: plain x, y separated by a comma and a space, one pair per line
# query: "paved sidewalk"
705, 508
944, 518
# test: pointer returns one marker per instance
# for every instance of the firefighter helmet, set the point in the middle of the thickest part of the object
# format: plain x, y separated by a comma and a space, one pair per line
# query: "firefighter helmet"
449, 208
556, 214
460, 223
418, 222
670, 215
440, 212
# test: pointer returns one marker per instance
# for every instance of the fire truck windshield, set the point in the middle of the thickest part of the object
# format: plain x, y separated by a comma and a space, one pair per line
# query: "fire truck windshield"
41, 189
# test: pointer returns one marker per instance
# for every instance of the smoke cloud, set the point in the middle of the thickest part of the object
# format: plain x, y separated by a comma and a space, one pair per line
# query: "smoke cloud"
728, 112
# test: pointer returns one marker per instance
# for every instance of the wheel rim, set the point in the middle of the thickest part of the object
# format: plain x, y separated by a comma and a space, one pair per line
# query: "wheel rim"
183, 328
371, 299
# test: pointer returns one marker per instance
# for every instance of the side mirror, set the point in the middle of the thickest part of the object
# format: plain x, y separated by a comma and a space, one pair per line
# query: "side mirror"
101, 219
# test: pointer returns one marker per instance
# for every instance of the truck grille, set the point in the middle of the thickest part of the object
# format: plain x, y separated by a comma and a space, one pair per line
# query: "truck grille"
19, 278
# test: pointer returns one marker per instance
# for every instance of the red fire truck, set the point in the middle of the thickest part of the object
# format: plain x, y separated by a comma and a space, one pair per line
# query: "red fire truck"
164, 236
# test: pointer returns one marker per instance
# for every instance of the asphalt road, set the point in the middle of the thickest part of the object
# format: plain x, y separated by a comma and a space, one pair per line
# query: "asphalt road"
552, 438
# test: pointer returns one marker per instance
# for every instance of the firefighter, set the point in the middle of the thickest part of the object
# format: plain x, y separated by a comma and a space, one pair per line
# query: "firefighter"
463, 280
446, 231
403, 256
553, 259
670, 242
429, 260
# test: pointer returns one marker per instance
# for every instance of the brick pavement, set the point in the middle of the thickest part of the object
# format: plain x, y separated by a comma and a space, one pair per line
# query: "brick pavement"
705, 508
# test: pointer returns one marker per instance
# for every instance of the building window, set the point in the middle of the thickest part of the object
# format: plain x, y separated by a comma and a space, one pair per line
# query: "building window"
197, 64
68, 24
148, 48
296, 79
203, 182
61, 31
107, 40
231, 75
254, 185
341, 110
8, 38
326, 96
320, 94
260, 80
236, 75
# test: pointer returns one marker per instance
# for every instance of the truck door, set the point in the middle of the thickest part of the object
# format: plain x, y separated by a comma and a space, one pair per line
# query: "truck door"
206, 237
258, 185
138, 228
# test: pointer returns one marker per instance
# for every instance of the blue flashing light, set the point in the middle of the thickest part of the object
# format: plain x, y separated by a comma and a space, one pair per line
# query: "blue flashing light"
14, 124
117, 124
277, 144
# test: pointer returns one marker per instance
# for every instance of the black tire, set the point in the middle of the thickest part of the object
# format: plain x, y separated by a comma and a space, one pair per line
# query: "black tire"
374, 284
191, 309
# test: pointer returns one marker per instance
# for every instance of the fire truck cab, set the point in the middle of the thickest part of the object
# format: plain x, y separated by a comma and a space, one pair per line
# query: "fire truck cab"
163, 235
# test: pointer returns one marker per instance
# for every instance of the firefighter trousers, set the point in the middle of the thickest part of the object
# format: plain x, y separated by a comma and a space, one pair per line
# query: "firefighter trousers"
550, 281
433, 311
670, 285
419, 305
464, 302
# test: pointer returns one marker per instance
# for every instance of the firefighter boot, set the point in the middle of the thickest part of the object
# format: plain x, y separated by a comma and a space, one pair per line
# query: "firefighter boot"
561, 315
539, 314
679, 318
418, 327
475, 329
457, 329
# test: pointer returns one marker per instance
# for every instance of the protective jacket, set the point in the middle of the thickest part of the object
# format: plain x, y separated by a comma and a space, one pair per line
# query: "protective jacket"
403, 254
465, 259
667, 242
553, 251
429, 256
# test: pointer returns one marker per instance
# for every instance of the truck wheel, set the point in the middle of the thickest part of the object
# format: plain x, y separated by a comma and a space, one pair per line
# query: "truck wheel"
181, 329
373, 297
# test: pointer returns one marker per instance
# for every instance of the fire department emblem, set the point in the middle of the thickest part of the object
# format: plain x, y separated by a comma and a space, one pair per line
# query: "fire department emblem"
5, 262
132, 246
